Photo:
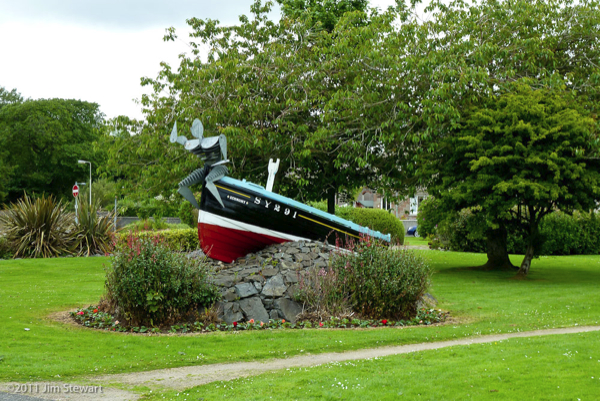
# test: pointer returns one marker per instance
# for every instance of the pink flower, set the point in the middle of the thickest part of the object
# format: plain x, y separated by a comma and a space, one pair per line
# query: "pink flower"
420, 321
261, 324
80, 313
251, 320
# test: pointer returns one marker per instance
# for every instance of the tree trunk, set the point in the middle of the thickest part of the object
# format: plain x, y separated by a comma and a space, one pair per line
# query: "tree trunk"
331, 201
524, 269
496, 250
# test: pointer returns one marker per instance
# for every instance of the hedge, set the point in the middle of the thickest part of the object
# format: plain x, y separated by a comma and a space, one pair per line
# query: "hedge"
561, 234
185, 239
375, 219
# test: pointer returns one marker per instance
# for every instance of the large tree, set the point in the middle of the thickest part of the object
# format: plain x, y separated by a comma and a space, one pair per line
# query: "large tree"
517, 158
290, 90
478, 50
42, 141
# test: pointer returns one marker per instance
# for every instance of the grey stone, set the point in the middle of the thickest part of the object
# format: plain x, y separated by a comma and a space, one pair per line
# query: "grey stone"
307, 263
320, 264
292, 291
291, 251
291, 277
313, 255
258, 286
299, 257
274, 287
223, 280
305, 250
245, 290
255, 279
274, 315
247, 272
230, 295
254, 309
324, 255
270, 272
287, 265
288, 308
231, 312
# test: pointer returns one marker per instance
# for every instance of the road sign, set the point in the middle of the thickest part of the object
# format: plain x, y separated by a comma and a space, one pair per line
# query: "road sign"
75, 190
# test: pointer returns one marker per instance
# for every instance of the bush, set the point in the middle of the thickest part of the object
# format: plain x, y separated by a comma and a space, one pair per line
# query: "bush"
147, 208
375, 219
95, 233
428, 217
371, 279
6, 250
188, 214
183, 240
563, 234
379, 220
148, 284
39, 228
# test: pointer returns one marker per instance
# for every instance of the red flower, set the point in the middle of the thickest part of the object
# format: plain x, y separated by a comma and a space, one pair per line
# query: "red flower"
95, 310
384, 321
321, 324
80, 313
234, 324
282, 320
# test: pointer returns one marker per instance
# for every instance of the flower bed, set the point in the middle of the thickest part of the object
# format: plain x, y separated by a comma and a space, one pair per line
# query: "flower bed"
94, 318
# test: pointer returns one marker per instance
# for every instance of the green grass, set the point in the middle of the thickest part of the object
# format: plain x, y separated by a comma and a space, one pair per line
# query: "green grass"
561, 291
419, 241
562, 367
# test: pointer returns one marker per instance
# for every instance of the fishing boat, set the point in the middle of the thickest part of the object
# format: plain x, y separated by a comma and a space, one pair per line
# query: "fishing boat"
238, 217
252, 218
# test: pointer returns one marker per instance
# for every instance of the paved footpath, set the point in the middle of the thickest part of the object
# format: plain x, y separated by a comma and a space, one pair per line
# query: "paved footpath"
190, 376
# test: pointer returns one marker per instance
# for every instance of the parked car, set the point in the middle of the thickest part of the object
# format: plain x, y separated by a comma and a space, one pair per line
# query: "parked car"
412, 231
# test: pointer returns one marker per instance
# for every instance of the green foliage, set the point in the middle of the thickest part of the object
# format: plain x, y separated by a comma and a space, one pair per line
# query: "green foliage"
379, 220
148, 225
325, 12
188, 214
184, 240
375, 219
42, 141
39, 228
518, 158
6, 250
578, 234
428, 217
95, 233
381, 283
147, 208
321, 292
9, 97
148, 284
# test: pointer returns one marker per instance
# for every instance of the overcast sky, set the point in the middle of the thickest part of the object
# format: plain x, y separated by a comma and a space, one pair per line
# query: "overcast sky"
97, 51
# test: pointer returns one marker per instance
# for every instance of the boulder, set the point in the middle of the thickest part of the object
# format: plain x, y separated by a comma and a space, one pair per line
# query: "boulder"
288, 309
274, 287
253, 309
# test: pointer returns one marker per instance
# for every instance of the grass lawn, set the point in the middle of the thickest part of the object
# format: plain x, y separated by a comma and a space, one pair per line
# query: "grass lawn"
419, 241
565, 367
561, 291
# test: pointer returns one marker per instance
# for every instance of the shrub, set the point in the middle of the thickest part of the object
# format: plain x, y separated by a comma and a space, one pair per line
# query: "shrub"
381, 282
563, 234
145, 209
188, 214
6, 250
379, 220
148, 284
184, 240
428, 217
95, 233
319, 290
39, 228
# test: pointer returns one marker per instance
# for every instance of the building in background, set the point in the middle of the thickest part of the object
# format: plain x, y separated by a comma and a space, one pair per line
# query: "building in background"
404, 209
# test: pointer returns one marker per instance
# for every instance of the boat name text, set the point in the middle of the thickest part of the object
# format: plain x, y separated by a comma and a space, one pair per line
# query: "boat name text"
276, 207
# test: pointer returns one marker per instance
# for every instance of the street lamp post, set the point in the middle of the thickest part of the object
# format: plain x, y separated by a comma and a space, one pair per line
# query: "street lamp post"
90, 163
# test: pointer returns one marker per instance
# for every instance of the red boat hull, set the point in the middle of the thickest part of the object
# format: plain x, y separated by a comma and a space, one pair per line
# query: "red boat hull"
228, 244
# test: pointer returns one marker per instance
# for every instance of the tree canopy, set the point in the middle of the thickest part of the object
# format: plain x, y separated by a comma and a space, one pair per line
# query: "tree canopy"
519, 157
42, 141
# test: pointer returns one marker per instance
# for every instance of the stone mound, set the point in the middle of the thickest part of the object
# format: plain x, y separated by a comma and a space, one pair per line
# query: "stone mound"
261, 285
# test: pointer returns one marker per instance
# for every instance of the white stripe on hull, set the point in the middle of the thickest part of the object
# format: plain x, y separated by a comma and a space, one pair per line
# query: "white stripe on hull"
210, 218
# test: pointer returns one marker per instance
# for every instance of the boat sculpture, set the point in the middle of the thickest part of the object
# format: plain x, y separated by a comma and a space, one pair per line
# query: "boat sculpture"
238, 217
